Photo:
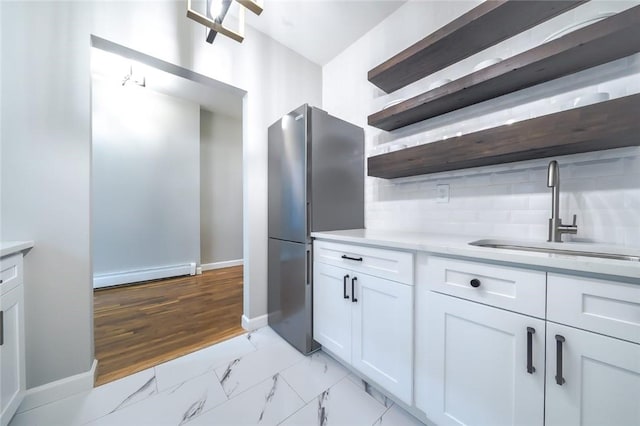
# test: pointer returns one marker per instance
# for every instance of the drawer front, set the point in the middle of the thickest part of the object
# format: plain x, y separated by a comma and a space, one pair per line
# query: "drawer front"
515, 289
389, 264
10, 272
606, 307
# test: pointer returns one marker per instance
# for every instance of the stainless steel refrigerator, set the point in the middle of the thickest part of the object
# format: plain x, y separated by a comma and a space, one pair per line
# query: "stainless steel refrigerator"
316, 183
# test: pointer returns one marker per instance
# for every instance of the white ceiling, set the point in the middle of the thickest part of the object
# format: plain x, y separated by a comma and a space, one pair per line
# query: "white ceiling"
320, 29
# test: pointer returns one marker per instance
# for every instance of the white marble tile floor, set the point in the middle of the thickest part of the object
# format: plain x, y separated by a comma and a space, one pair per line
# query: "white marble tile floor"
253, 379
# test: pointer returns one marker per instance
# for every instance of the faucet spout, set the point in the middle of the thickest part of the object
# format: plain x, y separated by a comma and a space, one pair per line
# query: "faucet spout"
553, 182
556, 227
553, 174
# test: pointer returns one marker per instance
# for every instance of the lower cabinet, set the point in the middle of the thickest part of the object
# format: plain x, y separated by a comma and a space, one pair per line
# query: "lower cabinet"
332, 309
12, 352
591, 379
481, 365
494, 344
382, 333
487, 365
366, 321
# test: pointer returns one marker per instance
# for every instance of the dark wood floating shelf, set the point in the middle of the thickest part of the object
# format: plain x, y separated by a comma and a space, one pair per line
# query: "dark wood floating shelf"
607, 40
606, 125
483, 26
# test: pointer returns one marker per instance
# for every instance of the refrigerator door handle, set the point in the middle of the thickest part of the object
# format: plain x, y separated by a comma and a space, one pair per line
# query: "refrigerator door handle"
308, 267
308, 218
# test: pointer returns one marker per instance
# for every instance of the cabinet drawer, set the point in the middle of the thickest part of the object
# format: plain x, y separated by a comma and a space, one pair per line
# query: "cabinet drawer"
606, 307
515, 289
10, 272
389, 264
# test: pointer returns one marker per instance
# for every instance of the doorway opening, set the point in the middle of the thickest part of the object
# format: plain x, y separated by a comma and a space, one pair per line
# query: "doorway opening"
166, 210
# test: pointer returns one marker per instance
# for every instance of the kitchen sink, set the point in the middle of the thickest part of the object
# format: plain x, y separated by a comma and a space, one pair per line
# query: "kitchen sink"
571, 249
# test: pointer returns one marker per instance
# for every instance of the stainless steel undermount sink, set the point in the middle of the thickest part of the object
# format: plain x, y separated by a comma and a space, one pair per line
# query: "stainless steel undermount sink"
571, 249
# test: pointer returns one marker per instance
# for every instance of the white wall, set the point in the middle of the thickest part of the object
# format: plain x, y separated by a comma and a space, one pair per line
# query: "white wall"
512, 200
46, 149
220, 188
146, 178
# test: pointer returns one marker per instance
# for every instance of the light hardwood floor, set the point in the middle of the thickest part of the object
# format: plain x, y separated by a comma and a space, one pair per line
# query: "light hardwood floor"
139, 326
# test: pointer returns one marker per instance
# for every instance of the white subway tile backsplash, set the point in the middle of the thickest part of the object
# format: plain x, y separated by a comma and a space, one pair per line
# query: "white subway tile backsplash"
494, 216
624, 218
607, 203
631, 236
480, 179
632, 165
475, 229
613, 235
510, 231
538, 186
508, 201
538, 232
602, 200
596, 168
530, 217
511, 176
632, 200
540, 201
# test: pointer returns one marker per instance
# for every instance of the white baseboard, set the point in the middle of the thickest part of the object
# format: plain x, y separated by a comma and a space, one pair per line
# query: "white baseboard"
254, 323
60, 389
106, 280
218, 265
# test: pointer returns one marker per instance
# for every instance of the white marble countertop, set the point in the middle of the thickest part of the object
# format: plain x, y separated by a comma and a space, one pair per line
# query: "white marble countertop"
459, 246
11, 247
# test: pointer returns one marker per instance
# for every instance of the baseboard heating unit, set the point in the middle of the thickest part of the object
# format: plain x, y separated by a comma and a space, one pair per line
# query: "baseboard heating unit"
128, 277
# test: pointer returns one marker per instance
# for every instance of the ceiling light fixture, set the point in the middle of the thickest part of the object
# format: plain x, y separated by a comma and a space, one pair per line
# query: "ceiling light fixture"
136, 78
216, 10
253, 5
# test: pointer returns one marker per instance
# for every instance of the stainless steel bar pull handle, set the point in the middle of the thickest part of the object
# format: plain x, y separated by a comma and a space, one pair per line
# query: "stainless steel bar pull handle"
353, 290
559, 341
344, 286
1, 328
530, 332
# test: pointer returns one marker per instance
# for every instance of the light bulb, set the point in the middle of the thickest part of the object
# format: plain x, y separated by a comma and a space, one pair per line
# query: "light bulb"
215, 7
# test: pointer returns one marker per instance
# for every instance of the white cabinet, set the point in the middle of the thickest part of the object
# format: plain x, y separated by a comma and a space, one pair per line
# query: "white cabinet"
482, 361
481, 366
592, 380
12, 353
383, 263
514, 289
332, 309
593, 376
607, 307
382, 333
366, 320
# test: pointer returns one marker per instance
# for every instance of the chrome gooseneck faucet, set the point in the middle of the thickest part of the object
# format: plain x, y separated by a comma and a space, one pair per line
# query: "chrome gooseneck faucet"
556, 228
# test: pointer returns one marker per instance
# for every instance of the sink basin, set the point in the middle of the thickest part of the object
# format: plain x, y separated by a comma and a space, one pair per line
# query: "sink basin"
571, 249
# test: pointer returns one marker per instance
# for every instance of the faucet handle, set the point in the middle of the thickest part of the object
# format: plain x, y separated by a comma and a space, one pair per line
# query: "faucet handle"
568, 229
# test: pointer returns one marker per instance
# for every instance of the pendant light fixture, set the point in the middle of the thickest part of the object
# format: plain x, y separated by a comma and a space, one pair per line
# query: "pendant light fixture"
216, 11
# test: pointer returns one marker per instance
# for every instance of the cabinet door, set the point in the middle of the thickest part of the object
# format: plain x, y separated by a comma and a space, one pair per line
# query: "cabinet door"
331, 310
476, 365
12, 373
383, 333
600, 379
